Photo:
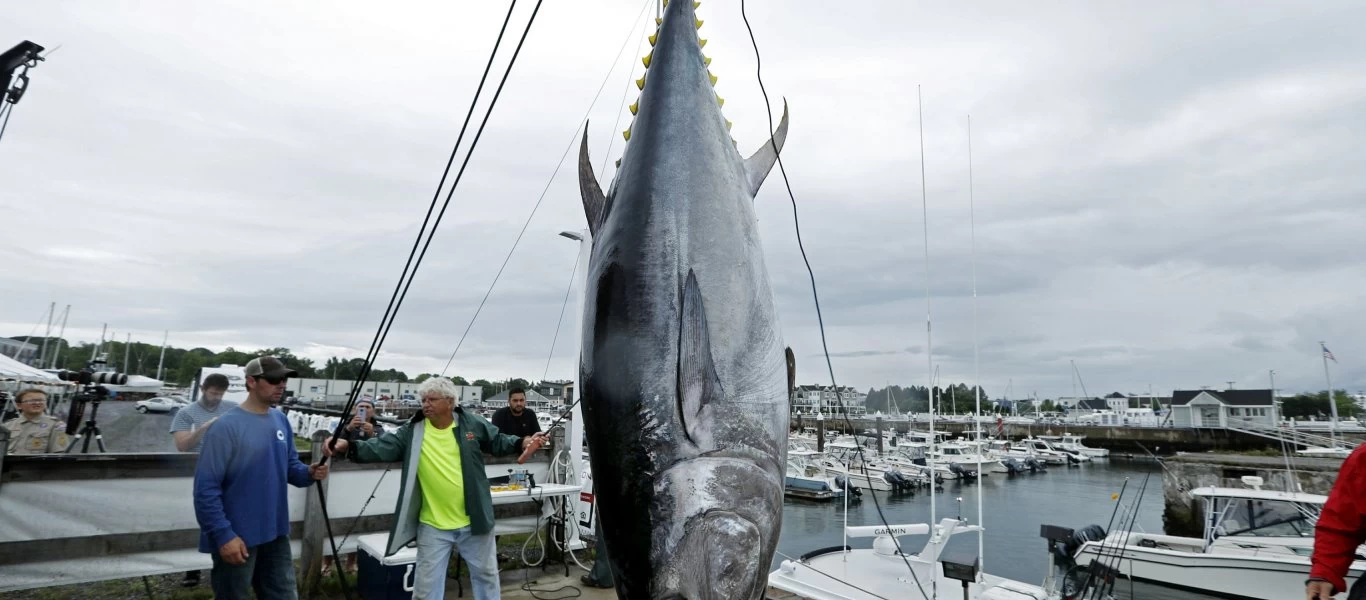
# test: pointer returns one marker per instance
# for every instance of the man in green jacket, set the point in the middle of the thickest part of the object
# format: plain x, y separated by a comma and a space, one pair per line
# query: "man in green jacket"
444, 501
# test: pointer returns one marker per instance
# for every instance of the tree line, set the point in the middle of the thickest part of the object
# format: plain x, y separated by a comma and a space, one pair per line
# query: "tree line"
953, 399
181, 364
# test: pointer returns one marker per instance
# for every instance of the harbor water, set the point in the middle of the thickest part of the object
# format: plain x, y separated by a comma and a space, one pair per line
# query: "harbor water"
1013, 509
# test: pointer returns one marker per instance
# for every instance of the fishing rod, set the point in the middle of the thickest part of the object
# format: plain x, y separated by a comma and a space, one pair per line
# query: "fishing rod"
537, 442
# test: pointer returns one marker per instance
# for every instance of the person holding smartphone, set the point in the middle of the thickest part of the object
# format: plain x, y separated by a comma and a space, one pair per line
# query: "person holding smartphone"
363, 425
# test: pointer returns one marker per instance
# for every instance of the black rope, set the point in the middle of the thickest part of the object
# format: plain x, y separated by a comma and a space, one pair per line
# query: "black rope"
397, 301
394, 299
5, 124
569, 148
815, 296
572, 272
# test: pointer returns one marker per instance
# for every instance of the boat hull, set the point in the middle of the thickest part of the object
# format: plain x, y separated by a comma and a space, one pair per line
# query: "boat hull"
1226, 575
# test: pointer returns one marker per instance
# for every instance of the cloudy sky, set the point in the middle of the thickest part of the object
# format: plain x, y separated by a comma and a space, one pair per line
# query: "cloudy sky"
1169, 194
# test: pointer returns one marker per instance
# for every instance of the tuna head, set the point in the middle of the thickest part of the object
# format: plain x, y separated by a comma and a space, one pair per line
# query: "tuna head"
683, 374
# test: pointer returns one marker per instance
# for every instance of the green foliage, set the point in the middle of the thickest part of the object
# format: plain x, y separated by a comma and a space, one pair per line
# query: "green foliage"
1303, 406
953, 399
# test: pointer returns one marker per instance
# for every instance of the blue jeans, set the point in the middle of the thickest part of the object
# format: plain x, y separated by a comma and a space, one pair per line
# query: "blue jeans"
269, 571
434, 555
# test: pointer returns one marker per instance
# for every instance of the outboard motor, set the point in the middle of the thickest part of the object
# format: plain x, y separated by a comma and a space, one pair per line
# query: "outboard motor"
1013, 467
1073, 460
842, 483
962, 472
1066, 552
1035, 464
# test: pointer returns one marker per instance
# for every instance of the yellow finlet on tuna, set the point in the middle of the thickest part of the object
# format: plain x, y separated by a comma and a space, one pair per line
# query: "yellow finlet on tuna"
720, 101
654, 37
706, 60
635, 107
713, 77
699, 23
702, 43
627, 134
646, 59
640, 83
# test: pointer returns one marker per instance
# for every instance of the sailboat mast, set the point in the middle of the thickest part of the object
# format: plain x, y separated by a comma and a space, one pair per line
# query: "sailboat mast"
57, 351
929, 345
162, 359
976, 371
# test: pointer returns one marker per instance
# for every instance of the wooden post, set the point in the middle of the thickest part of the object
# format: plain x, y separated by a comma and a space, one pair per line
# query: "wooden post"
313, 546
879, 435
820, 433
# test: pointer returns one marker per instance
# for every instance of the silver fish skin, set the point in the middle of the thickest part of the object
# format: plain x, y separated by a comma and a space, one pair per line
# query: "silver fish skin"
683, 374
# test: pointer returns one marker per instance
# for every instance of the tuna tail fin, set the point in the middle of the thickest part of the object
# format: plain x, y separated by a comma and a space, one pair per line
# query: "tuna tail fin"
594, 203
758, 165
698, 384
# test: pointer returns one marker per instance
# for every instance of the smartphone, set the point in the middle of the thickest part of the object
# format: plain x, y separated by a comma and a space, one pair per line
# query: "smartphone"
361, 413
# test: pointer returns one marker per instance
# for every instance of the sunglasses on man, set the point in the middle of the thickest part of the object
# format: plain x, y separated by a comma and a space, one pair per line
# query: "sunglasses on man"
272, 380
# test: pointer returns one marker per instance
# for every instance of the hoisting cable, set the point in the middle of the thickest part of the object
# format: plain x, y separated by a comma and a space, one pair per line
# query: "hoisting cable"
573, 139
397, 302
758, 70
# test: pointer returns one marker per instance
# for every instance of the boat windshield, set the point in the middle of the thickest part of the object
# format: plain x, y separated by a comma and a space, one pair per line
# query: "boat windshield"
1265, 518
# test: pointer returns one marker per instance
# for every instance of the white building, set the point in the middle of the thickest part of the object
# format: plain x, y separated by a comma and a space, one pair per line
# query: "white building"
309, 390
23, 352
807, 398
1210, 408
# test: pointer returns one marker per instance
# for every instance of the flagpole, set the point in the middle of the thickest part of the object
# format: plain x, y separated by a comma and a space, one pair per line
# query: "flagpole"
1332, 403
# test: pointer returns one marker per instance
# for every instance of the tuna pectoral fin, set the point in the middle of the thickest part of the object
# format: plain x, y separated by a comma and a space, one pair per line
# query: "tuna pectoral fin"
758, 166
594, 202
698, 384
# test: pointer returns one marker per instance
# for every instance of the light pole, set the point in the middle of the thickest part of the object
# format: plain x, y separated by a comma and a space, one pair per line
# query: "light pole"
575, 429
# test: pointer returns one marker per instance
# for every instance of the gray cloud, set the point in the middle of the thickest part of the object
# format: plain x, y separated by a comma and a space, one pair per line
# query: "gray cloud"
1168, 198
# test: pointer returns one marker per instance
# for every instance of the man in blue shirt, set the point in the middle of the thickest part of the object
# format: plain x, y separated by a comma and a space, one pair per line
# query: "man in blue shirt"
240, 498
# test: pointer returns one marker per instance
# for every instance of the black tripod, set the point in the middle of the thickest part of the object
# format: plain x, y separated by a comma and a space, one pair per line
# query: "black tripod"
91, 430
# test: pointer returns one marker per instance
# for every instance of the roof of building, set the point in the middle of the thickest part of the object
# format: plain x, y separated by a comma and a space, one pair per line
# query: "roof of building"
532, 396
1094, 404
1229, 397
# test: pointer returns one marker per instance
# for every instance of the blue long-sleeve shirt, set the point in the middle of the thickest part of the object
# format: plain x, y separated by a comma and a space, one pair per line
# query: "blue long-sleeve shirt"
239, 481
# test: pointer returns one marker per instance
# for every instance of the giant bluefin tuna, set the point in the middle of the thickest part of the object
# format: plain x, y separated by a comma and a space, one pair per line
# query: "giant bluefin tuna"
682, 370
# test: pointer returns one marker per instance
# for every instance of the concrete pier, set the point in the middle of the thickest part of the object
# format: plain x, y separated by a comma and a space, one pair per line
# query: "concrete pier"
1183, 515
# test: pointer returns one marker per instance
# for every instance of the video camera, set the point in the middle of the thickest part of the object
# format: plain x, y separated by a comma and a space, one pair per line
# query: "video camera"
92, 390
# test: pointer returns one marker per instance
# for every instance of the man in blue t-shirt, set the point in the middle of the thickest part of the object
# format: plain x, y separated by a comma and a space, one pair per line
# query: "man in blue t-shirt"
240, 498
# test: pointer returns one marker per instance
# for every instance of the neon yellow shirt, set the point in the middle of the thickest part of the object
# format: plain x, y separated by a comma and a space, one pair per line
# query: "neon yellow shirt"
440, 475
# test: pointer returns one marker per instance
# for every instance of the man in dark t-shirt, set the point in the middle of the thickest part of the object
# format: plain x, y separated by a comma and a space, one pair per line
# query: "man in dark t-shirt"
515, 418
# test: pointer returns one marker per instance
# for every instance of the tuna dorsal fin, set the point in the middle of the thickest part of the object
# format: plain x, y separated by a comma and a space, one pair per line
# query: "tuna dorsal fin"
758, 165
593, 200
698, 384
791, 371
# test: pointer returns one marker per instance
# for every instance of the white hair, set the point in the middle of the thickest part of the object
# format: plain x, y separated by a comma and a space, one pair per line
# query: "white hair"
440, 386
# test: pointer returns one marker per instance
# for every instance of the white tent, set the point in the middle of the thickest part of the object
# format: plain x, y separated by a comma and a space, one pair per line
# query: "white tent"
13, 369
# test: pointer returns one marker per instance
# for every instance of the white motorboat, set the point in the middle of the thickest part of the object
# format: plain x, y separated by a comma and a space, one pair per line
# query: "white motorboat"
1040, 450
806, 478
1072, 443
968, 456
842, 573
1317, 452
1256, 544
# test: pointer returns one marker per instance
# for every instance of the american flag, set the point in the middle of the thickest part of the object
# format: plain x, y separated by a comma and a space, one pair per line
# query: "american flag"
1326, 353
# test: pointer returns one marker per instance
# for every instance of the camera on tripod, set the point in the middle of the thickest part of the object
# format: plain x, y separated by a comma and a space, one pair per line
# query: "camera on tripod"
89, 376
92, 384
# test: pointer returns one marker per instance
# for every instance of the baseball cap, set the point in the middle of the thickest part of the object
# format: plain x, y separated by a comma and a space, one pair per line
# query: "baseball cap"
268, 366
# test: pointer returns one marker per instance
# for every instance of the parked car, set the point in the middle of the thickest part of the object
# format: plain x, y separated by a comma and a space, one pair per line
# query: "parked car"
160, 405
